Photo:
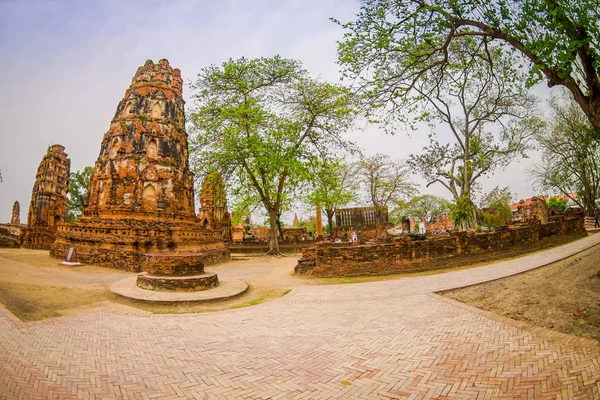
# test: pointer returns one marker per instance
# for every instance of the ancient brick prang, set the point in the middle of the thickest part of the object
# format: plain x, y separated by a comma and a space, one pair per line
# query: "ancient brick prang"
141, 195
213, 205
16, 214
49, 204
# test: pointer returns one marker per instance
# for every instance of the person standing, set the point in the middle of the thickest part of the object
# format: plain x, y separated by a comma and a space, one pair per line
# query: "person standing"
597, 215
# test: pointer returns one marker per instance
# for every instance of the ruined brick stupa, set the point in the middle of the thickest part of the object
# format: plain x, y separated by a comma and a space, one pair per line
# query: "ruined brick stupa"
141, 195
49, 204
213, 205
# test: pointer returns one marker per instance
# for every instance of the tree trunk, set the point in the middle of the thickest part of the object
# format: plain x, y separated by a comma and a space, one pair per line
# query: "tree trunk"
330, 213
279, 227
273, 243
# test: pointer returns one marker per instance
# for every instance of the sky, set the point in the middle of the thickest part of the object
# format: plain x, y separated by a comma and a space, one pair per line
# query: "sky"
67, 63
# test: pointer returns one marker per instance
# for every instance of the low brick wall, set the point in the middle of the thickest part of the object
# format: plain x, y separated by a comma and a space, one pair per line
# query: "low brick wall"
358, 259
9, 238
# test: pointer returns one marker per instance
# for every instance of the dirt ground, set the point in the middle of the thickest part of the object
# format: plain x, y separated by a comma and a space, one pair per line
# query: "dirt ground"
564, 296
34, 286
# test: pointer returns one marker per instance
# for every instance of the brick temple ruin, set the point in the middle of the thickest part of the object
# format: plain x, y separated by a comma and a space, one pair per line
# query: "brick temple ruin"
16, 214
366, 222
141, 196
213, 205
49, 204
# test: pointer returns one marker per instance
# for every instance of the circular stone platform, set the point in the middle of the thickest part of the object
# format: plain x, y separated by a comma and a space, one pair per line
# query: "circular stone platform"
164, 283
227, 289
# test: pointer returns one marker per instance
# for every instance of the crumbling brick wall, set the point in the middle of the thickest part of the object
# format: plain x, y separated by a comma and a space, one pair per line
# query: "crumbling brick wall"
357, 259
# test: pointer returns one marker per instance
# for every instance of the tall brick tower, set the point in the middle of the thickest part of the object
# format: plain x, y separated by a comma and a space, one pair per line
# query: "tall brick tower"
49, 203
213, 205
16, 214
141, 194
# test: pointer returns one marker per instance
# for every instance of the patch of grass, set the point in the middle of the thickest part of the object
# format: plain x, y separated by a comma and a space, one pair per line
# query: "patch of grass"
33, 302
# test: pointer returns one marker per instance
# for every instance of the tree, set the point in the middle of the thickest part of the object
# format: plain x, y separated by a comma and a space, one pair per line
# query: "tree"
385, 181
394, 44
334, 186
570, 161
424, 206
78, 193
496, 206
259, 121
557, 203
490, 117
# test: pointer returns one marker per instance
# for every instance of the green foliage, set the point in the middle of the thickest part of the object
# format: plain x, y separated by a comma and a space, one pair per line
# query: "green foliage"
496, 207
396, 44
570, 161
310, 224
463, 213
386, 181
557, 203
78, 193
333, 185
424, 206
261, 121
489, 114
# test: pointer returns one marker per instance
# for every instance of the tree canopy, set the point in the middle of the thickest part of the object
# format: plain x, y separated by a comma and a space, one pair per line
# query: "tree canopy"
570, 149
385, 181
259, 122
333, 185
395, 44
78, 193
423, 206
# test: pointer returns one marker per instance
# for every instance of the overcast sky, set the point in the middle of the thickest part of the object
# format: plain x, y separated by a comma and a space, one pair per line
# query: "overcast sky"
66, 65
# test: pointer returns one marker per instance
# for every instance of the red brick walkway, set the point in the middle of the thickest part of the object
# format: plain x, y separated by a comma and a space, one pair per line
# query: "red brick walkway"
380, 340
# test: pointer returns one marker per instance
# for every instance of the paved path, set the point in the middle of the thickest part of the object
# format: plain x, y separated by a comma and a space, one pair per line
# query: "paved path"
378, 340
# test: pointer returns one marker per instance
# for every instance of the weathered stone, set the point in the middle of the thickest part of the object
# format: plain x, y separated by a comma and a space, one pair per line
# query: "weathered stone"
180, 272
404, 253
213, 205
141, 195
535, 208
367, 222
16, 214
10, 236
49, 204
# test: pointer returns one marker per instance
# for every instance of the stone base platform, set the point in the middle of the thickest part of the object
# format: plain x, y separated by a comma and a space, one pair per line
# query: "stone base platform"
190, 283
227, 289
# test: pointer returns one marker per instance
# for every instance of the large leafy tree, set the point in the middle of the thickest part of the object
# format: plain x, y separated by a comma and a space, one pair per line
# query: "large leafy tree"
78, 193
385, 181
259, 121
489, 114
424, 206
570, 160
496, 206
394, 44
334, 185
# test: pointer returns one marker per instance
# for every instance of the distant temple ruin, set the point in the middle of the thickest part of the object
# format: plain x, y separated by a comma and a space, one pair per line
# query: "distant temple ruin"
141, 195
362, 221
49, 204
16, 214
213, 205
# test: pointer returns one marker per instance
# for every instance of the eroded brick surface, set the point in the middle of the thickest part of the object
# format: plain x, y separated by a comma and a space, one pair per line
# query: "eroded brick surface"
141, 194
405, 254
49, 205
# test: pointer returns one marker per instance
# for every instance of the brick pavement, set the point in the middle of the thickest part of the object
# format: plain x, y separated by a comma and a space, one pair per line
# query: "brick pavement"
379, 340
